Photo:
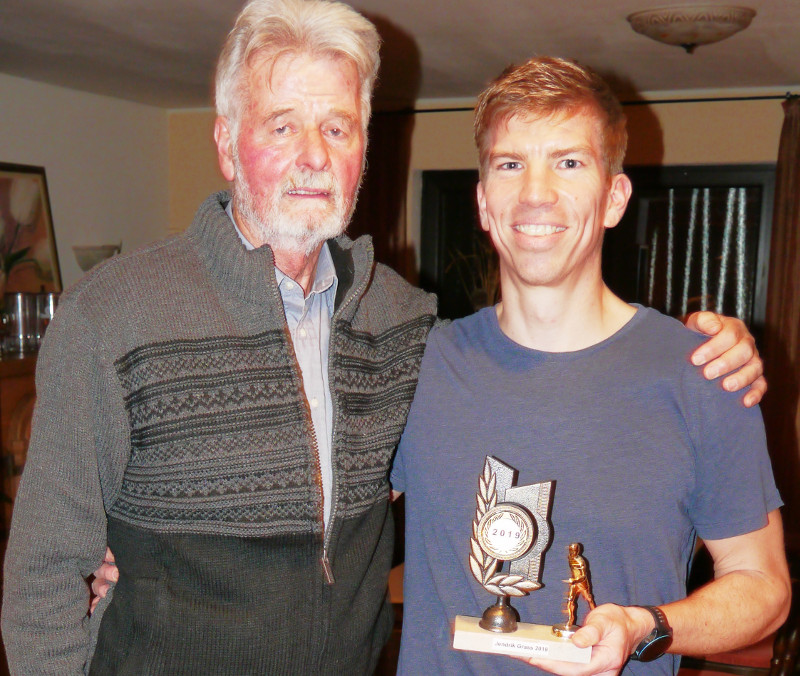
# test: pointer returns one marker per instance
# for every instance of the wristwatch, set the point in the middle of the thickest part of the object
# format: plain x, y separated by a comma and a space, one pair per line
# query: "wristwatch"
658, 641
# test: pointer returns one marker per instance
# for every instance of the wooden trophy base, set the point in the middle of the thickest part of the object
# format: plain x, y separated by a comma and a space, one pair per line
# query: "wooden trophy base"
529, 640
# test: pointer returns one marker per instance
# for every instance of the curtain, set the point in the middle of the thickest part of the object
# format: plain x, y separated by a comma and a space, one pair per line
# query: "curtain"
781, 348
381, 207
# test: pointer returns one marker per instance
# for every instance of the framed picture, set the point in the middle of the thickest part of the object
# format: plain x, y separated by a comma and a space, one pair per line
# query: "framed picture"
28, 256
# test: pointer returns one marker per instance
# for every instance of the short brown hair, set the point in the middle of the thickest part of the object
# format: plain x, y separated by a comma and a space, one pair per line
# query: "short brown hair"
544, 86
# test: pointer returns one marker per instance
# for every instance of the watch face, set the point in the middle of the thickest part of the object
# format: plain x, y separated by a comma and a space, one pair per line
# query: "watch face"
655, 648
658, 641
506, 532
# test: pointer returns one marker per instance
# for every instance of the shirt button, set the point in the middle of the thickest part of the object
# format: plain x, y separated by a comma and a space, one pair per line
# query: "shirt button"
302, 333
314, 402
289, 285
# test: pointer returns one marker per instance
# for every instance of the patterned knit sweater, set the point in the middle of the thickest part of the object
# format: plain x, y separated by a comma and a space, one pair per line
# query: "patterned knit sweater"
171, 423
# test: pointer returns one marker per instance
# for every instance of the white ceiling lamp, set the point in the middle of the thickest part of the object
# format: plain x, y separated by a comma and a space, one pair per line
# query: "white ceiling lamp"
690, 27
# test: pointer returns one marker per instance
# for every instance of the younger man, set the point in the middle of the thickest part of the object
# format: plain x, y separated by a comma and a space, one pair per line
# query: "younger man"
564, 381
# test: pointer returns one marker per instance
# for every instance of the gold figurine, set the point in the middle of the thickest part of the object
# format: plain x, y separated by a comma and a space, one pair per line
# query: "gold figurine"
579, 585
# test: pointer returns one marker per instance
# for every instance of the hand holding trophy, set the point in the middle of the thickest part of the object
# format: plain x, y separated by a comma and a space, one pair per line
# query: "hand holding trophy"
511, 525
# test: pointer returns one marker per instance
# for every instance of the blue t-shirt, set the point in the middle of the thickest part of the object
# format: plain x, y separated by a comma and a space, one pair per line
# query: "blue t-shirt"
645, 454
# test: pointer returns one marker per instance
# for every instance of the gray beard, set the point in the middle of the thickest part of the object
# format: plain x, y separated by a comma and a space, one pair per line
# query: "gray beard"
297, 233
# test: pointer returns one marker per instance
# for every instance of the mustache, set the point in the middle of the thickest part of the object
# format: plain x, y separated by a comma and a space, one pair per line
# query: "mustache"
300, 179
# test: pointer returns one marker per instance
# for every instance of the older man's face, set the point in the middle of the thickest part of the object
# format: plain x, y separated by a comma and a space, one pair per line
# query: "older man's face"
299, 152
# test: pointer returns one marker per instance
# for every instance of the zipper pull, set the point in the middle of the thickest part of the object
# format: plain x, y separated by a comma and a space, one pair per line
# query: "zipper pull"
326, 568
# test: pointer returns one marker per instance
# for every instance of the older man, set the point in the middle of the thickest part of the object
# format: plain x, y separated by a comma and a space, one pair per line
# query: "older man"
566, 382
228, 401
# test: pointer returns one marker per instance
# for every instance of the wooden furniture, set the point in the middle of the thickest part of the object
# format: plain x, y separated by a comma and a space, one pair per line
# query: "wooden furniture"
17, 399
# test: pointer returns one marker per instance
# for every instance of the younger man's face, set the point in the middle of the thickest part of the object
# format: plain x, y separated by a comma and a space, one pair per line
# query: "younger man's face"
546, 199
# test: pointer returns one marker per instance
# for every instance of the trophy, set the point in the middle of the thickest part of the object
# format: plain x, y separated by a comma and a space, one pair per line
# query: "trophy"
512, 525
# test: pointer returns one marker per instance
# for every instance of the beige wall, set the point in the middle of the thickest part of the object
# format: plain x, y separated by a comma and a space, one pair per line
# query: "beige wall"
714, 132
718, 132
105, 161
119, 171
193, 170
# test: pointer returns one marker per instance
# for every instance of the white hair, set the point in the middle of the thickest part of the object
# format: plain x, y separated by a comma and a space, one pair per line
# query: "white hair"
274, 27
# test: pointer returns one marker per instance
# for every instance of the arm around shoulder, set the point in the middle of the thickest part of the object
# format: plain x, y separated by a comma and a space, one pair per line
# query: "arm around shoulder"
730, 351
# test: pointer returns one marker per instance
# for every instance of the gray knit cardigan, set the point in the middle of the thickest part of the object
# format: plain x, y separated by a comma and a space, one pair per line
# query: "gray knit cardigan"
171, 423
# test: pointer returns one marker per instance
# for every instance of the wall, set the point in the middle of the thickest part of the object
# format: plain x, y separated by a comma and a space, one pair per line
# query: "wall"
105, 161
670, 133
119, 171
717, 132
193, 170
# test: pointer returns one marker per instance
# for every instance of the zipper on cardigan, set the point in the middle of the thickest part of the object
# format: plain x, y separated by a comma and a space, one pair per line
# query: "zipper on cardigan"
326, 567
326, 541
327, 570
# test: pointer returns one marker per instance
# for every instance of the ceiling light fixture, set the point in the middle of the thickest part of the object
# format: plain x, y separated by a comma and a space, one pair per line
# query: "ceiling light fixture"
690, 27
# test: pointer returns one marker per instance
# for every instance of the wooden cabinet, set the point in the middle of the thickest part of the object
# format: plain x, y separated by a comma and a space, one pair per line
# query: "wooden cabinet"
17, 399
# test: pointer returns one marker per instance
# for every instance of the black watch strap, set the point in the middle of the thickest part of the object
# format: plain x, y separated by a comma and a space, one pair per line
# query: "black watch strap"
658, 641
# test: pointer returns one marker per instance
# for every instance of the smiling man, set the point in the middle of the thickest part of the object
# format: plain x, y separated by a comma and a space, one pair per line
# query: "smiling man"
566, 382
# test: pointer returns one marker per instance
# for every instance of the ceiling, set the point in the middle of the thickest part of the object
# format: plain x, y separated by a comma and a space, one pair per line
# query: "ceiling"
162, 52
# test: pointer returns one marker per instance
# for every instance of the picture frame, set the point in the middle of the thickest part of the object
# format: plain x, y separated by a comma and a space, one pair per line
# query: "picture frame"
28, 255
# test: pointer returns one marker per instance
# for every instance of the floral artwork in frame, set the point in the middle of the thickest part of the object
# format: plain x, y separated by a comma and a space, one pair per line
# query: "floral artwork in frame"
28, 256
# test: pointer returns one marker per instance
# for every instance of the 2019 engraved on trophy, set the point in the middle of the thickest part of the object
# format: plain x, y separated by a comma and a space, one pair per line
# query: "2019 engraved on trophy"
511, 525
506, 532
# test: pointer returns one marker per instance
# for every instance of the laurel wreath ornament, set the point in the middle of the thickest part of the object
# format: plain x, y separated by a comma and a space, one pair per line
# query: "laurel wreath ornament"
483, 566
